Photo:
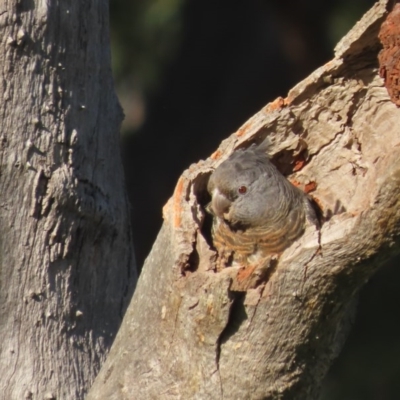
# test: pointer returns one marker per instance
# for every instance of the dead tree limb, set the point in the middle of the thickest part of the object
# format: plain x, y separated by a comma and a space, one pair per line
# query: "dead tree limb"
188, 334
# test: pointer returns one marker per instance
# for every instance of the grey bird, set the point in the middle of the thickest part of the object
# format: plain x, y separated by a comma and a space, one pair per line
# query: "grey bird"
256, 211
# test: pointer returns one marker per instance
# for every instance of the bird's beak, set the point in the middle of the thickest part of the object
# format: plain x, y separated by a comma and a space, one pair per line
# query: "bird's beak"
219, 204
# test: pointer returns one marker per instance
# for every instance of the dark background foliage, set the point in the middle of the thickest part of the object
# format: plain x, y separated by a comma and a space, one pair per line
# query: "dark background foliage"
188, 74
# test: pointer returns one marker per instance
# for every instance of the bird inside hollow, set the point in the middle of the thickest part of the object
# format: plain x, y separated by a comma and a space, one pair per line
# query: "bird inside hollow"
256, 211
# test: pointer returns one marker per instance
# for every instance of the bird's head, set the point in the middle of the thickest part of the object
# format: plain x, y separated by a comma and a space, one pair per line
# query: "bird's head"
244, 189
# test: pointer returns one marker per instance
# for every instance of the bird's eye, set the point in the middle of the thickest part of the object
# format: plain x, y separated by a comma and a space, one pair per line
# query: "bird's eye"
242, 189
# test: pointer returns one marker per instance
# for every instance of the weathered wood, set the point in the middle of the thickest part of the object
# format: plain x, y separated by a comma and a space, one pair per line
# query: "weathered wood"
187, 334
66, 258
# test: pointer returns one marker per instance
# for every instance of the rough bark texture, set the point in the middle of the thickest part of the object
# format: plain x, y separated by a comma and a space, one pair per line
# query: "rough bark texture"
66, 258
188, 334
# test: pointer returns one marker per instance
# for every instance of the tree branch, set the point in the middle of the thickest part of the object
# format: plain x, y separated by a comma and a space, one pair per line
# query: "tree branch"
188, 333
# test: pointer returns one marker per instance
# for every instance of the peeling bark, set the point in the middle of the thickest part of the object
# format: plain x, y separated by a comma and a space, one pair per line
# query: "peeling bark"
65, 248
188, 334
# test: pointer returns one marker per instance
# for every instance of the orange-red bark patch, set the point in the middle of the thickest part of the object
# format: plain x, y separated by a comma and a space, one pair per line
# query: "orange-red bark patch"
298, 165
216, 155
295, 183
389, 56
244, 129
277, 104
177, 209
309, 187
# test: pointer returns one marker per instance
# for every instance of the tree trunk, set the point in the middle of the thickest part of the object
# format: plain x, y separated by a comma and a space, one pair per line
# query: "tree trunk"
67, 263
190, 331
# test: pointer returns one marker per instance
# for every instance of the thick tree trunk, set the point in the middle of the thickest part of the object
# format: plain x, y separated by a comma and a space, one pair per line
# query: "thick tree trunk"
66, 258
189, 332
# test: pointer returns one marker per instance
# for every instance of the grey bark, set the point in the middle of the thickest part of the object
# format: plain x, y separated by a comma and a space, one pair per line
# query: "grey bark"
188, 334
66, 259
